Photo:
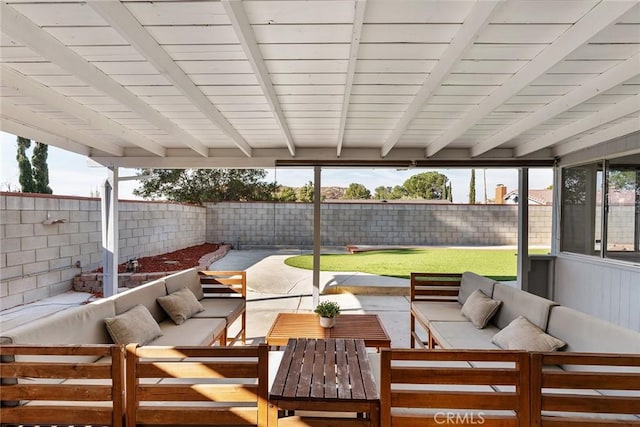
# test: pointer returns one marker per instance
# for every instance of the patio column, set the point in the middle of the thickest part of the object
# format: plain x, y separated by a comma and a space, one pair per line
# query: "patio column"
316, 234
523, 228
110, 233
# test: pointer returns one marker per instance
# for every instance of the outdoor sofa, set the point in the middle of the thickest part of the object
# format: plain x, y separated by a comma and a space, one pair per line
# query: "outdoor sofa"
83, 332
571, 368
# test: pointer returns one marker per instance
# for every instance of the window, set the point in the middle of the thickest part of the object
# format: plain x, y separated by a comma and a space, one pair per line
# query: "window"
623, 210
591, 227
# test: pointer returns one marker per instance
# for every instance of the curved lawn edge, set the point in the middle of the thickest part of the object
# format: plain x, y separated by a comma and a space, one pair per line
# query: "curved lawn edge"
499, 264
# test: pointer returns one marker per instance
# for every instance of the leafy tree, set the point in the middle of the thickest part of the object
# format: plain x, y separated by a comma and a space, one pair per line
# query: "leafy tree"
286, 194
398, 192
40, 168
27, 183
622, 179
472, 188
305, 193
205, 185
382, 193
357, 191
426, 185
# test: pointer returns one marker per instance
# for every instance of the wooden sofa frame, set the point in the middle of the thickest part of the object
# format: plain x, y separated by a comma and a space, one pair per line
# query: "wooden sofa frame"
197, 386
92, 393
431, 287
531, 395
537, 394
228, 284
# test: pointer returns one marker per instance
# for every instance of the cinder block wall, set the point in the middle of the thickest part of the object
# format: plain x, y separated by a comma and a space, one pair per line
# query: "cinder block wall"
38, 260
291, 224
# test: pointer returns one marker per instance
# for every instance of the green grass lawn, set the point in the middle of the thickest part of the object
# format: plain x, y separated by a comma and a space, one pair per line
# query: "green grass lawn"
499, 264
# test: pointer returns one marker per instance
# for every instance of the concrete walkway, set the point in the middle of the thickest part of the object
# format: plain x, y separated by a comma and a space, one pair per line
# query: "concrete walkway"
267, 273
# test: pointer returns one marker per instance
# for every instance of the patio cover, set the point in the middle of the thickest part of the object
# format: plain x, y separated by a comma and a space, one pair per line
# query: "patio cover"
397, 83
256, 83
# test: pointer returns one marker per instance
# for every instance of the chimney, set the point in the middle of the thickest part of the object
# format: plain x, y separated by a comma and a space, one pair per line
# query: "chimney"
501, 191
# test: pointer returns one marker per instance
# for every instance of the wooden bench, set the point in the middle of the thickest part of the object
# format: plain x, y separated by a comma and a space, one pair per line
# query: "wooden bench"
589, 386
62, 385
220, 285
197, 385
439, 387
431, 287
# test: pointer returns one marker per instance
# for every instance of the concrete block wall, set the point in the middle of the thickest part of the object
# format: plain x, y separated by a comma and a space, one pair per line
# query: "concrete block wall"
291, 224
39, 260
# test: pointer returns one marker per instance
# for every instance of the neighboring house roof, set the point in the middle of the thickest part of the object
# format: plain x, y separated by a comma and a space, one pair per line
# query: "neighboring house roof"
619, 197
537, 197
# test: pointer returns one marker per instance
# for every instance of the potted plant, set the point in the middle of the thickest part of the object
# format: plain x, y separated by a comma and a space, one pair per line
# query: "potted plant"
328, 311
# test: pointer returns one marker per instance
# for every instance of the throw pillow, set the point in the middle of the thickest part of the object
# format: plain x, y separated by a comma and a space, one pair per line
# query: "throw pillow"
521, 334
180, 305
479, 308
136, 325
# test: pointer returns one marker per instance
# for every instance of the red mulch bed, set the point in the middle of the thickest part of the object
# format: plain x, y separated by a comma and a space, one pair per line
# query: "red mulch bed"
186, 258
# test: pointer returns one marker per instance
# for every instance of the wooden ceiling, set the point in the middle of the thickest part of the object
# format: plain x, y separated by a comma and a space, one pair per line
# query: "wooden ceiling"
254, 83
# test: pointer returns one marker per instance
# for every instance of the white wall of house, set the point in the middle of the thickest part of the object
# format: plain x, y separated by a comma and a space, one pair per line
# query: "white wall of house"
607, 289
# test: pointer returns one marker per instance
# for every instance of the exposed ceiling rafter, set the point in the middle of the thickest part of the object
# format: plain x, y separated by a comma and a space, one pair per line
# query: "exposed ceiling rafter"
598, 18
477, 20
615, 112
613, 132
613, 77
360, 6
35, 90
119, 17
28, 131
242, 27
24, 115
20, 28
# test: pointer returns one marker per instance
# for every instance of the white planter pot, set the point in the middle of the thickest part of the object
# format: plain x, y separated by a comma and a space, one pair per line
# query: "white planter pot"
327, 322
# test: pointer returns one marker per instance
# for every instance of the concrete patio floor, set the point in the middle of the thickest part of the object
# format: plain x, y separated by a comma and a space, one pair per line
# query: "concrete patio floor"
274, 287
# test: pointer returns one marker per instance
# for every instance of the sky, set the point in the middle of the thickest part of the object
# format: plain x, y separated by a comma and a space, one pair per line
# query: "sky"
75, 175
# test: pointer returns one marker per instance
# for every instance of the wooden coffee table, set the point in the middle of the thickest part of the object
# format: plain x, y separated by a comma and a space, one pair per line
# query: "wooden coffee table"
366, 327
332, 375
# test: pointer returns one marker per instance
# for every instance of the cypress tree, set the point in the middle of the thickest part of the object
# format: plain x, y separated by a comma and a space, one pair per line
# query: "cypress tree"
40, 168
450, 193
472, 188
26, 175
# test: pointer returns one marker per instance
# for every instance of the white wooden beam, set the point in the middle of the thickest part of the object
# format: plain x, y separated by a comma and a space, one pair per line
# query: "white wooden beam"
29, 87
615, 112
119, 17
598, 18
360, 7
613, 77
242, 28
477, 20
20, 28
23, 115
615, 131
11, 126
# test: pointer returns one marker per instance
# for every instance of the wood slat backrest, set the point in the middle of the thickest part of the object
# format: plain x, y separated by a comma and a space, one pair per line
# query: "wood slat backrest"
63, 390
430, 388
232, 283
589, 385
435, 286
197, 385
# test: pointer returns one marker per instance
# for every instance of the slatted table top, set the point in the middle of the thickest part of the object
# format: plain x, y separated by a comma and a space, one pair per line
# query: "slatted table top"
325, 371
306, 325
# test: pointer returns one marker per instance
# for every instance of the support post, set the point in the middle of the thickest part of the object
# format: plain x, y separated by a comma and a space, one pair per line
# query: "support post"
316, 234
523, 228
110, 233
